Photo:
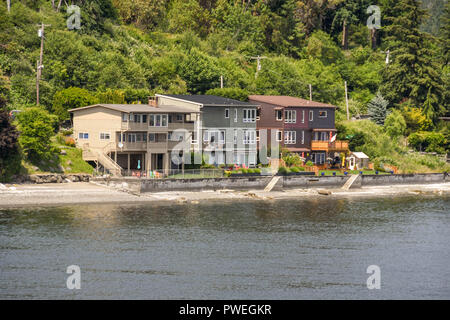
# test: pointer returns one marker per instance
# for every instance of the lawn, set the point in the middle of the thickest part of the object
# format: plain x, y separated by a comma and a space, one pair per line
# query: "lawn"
339, 173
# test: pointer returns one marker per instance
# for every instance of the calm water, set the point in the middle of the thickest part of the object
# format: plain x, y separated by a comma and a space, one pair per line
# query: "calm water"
233, 250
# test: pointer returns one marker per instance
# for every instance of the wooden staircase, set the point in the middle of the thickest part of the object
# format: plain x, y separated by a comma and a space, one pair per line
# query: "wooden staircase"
348, 184
101, 156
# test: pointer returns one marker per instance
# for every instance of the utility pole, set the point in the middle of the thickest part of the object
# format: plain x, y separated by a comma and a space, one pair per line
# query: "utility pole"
310, 92
221, 82
8, 5
258, 65
39, 67
346, 100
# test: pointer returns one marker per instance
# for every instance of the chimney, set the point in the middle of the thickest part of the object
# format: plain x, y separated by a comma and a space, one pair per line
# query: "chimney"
153, 101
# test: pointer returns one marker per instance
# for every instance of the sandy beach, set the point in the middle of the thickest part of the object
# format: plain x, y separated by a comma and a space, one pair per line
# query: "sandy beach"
30, 195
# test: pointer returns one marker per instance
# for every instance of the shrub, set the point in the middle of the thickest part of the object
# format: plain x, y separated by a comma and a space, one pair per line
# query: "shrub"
257, 171
309, 163
283, 170
244, 171
36, 128
294, 169
69, 142
428, 141
71, 98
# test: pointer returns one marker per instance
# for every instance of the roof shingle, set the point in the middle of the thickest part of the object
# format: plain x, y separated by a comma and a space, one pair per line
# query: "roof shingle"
287, 101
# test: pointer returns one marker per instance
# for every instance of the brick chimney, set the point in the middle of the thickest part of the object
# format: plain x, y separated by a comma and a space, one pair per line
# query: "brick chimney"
153, 101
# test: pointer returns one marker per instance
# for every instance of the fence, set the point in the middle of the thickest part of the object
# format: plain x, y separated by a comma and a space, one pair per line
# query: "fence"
175, 174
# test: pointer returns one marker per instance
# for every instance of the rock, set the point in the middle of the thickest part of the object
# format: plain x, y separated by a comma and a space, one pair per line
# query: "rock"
69, 163
35, 168
324, 192
63, 152
59, 179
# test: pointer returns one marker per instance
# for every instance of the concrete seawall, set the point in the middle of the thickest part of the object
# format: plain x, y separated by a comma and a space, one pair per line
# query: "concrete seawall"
159, 185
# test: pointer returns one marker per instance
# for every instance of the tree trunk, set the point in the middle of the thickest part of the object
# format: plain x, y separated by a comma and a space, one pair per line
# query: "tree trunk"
345, 35
8, 4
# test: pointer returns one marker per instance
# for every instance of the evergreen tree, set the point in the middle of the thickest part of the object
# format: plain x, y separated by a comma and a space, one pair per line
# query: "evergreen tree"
9, 146
413, 72
377, 109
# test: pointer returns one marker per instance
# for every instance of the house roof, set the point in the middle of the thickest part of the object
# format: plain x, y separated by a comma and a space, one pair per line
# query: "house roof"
287, 101
144, 108
209, 100
360, 155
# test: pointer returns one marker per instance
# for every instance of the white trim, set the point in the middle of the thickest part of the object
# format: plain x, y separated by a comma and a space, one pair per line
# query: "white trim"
279, 136
276, 115
290, 137
311, 115
290, 116
105, 133
326, 114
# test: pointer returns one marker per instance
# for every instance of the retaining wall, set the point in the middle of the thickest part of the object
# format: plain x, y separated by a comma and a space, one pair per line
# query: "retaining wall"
155, 185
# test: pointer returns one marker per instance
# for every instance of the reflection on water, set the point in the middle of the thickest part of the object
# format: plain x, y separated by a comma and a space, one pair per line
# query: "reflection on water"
287, 249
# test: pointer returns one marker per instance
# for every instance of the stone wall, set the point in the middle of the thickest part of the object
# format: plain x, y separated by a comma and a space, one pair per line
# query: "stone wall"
57, 178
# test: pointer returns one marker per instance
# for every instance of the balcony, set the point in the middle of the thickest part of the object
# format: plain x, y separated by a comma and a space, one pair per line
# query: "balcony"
132, 146
327, 146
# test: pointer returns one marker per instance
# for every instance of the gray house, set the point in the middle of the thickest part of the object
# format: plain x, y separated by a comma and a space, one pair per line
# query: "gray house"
226, 132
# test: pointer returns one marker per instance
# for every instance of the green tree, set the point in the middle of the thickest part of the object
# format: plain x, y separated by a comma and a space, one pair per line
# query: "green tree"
9, 146
113, 96
145, 14
395, 124
377, 109
188, 15
413, 71
232, 93
36, 127
71, 98
199, 71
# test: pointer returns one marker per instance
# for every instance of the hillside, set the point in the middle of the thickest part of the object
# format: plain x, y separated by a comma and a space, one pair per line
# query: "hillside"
126, 51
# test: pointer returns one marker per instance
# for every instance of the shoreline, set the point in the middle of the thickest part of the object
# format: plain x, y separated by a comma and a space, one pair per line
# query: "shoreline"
84, 193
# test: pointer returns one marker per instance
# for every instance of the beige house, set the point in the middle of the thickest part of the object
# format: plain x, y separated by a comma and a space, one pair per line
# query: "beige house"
125, 138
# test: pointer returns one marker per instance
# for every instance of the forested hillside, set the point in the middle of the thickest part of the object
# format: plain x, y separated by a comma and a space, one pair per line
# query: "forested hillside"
128, 50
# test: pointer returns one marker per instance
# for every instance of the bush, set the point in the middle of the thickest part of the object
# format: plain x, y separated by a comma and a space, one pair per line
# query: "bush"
428, 141
71, 98
283, 170
309, 164
292, 159
257, 171
36, 128
69, 142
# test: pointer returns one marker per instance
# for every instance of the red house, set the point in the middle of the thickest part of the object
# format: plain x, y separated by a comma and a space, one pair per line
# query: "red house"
302, 126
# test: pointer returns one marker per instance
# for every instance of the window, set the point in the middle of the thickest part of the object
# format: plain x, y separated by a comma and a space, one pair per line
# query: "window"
214, 136
138, 137
303, 116
144, 118
227, 113
249, 137
151, 137
289, 137
105, 136
279, 115
124, 117
323, 114
257, 135
158, 120
279, 136
179, 117
83, 135
311, 115
258, 114
131, 137
194, 138
249, 115
235, 136
290, 116
303, 136
137, 118
235, 115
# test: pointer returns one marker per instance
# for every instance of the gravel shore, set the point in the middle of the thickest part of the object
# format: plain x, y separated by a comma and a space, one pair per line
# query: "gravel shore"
30, 195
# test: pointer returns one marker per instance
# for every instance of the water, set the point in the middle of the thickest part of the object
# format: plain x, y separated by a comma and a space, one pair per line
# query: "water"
296, 249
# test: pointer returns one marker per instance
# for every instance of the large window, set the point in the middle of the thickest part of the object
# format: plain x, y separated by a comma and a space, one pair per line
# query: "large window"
249, 137
249, 115
158, 120
290, 116
290, 137
214, 136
